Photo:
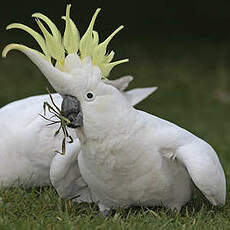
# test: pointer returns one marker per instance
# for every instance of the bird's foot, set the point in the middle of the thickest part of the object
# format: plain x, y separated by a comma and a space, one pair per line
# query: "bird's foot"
105, 213
104, 210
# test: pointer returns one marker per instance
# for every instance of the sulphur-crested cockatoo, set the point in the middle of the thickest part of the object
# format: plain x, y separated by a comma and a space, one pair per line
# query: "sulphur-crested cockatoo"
125, 156
27, 144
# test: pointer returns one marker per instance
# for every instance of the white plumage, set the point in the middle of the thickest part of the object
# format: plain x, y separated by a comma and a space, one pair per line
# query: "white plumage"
152, 162
27, 144
123, 156
135, 158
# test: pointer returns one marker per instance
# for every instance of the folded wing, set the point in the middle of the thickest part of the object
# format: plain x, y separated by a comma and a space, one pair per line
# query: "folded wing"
65, 175
204, 167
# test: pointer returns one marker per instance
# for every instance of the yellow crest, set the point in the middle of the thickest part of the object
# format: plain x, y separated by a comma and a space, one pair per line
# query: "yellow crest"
55, 46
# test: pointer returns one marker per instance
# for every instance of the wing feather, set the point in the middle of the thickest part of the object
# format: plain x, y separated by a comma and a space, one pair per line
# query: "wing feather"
65, 175
205, 169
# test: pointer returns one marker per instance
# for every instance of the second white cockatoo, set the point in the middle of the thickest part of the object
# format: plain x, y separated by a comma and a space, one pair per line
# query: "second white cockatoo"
126, 157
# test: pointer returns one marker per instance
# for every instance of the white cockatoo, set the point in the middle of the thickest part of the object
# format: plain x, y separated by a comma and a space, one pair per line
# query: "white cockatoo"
29, 144
125, 156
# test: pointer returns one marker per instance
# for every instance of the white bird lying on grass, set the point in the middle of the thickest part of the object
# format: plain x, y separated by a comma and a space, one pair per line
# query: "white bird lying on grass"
27, 144
125, 156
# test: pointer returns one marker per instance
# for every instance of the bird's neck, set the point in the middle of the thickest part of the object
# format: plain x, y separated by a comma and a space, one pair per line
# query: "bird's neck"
109, 126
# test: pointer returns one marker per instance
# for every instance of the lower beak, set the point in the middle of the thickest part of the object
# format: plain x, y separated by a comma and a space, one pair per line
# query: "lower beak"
71, 109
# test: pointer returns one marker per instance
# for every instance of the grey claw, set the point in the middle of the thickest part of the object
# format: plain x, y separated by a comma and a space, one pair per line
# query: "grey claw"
105, 213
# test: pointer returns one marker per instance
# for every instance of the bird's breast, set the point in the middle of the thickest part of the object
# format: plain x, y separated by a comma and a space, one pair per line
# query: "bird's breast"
125, 177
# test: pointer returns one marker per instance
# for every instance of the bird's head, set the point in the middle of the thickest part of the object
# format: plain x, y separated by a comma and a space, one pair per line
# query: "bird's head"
75, 67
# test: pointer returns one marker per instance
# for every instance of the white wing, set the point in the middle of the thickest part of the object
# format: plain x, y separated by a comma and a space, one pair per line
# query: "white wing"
205, 170
65, 174
134, 96
199, 158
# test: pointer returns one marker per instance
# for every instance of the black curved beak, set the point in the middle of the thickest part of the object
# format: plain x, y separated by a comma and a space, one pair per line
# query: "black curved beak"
71, 109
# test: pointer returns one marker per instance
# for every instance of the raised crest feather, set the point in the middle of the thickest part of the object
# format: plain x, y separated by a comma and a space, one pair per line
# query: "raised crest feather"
56, 47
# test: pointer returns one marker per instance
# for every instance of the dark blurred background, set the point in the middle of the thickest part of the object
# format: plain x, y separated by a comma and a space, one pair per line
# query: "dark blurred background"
171, 19
181, 46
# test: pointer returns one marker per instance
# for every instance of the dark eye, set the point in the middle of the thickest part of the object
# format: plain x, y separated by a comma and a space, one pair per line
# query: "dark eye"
89, 96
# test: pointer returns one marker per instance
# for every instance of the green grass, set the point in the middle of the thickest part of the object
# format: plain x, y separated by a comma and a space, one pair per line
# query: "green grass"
194, 92
42, 209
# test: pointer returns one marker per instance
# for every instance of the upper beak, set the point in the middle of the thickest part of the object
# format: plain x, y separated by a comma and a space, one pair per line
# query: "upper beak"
71, 109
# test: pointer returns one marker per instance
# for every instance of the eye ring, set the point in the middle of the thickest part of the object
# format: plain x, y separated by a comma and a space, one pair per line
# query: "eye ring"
89, 96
